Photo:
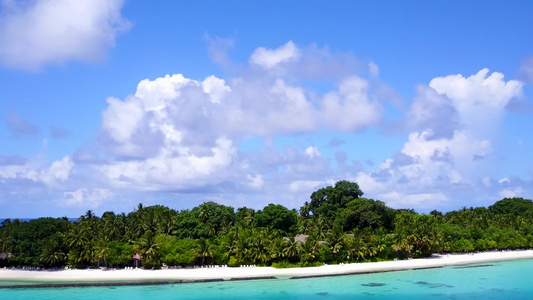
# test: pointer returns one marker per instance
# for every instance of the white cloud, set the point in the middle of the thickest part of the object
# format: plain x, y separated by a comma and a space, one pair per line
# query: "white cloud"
86, 197
268, 59
460, 145
312, 152
256, 181
477, 90
176, 134
455, 119
399, 200
158, 93
36, 33
350, 108
170, 168
431, 111
368, 184
216, 88
307, 186
52, 176
479, 99
121, 118
511, 192
504, 180
59, 171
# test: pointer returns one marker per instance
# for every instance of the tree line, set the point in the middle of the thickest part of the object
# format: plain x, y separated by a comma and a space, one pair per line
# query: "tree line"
337, 225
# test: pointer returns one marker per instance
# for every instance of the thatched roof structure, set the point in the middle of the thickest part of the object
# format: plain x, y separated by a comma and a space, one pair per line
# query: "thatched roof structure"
301, 238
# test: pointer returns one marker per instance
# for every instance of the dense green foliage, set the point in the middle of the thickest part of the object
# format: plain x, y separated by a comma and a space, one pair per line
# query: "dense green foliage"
337, 225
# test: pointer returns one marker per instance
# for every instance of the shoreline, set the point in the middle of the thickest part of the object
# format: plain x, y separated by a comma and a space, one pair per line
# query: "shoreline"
74, 278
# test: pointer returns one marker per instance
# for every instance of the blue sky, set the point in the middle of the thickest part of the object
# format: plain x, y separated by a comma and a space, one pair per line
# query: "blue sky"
107, 104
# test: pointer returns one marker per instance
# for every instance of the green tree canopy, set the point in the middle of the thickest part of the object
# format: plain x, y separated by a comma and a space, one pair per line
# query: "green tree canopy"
362, 213
515, 206
278, 217
327, 201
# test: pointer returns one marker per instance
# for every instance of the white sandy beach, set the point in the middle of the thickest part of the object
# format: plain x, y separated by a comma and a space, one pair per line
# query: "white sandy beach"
88, 276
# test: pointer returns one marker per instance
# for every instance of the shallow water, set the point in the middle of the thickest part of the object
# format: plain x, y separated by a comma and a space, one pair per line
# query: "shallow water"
496, 280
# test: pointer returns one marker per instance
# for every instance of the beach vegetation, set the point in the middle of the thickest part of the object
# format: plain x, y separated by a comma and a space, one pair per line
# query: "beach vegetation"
337, 225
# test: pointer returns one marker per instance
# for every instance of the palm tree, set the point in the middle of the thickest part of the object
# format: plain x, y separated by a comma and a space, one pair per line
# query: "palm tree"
78, 237
305, 226
140, 208
226, 226
292, 249
335, 239
357, 248
52, 254
210, 229
113, 227
259, 246
86, 254
102, 250
8, 244
89, 215
80, 242
52, 257
381, 243
204, 249
320, 229
275, 248
309, 249
400, 244
147, 245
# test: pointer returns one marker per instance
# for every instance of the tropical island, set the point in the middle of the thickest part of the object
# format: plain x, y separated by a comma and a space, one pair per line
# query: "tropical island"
335, 227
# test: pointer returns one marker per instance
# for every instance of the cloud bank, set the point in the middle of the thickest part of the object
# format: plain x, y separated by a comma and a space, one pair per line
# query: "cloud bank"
178, 135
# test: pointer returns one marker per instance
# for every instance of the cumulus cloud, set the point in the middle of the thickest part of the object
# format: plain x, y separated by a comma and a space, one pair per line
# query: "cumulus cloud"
256, 181
477, 90
350, 108
504, 180
52, 176
512, 192
37, 33
312, 152
175, 134
308, 186
20, 127
172, 168
180, 134
454, 121
479, 99
177, 110
268, 59
83, 197
426, 200
305, 63
431, 111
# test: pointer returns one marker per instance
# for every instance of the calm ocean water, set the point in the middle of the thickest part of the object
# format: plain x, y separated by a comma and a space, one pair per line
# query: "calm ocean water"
495, 280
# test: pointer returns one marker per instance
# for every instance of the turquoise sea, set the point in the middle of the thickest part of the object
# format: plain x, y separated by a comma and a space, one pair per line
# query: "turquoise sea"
494, 280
